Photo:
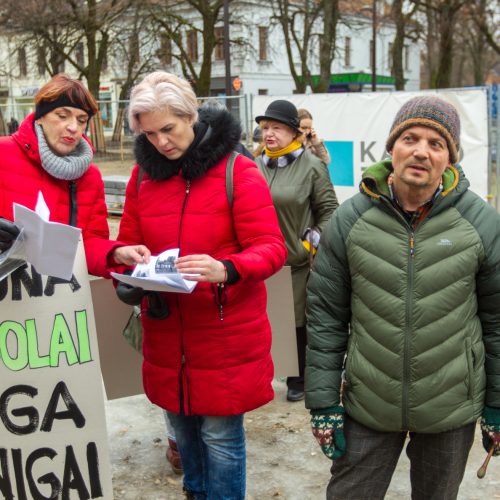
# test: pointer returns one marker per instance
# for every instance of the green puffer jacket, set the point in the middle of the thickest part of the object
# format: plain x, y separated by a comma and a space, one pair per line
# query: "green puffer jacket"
303, 197
418, 312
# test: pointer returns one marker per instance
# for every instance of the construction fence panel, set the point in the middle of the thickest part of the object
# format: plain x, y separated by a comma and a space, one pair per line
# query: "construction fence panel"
355, 127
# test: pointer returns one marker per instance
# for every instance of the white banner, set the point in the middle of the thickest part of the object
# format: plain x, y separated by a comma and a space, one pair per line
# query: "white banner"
53, 441
355, 127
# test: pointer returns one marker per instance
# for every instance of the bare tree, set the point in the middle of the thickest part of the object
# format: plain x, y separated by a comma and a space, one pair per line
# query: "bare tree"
327, 43
60, 26
404, 30
474, 56
297, 20
442, 17
170, 16
485, 18
132, 52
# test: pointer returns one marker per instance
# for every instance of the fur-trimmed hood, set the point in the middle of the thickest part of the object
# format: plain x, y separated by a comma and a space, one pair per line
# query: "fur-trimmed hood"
217, 133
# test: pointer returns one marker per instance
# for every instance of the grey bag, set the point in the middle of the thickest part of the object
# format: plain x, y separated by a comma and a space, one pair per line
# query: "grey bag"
133, 329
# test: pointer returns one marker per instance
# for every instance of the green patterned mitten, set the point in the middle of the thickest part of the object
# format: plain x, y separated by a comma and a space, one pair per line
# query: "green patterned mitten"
490, 427
328, 428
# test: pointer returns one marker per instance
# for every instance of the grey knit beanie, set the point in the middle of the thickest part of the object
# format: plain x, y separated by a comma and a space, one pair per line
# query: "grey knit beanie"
428, 111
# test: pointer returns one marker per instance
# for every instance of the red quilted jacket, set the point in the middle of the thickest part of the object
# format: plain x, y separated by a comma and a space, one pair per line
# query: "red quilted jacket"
22, 177
196, 362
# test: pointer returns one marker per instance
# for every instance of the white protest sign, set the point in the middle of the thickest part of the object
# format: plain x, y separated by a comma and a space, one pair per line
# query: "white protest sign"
53, 441
355, 127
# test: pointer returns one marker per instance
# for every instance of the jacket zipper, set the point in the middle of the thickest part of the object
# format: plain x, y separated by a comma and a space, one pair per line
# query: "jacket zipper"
183, 375
408, 315
220, 297
408, 328
73, 207
409, 309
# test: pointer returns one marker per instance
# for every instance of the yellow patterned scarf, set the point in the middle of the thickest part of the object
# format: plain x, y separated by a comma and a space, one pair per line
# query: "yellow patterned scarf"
293, 146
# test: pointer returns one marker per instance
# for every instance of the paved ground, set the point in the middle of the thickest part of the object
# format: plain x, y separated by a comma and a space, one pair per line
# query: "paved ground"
283, 461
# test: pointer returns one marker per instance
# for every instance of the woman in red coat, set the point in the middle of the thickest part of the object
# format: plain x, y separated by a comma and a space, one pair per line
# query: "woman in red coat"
50, 154
208, 361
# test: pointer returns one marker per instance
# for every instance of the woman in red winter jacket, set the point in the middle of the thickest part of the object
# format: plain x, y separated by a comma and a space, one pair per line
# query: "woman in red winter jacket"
50, 154
208, 360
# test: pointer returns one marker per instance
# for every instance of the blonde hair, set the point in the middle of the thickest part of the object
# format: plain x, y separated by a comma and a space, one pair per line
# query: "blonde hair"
303, 113
162, 91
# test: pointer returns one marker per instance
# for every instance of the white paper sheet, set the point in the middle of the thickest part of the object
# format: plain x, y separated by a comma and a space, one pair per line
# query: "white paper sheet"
158, 275
51, 247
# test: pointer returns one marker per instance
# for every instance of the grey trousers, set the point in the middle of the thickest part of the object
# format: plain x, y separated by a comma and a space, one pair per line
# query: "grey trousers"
365, 471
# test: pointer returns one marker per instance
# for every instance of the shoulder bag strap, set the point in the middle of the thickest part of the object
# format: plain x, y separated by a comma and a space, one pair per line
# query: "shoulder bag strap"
229, 177
139, 179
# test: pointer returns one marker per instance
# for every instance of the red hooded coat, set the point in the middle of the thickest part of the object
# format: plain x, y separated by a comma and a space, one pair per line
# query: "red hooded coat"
197, 361
22, 177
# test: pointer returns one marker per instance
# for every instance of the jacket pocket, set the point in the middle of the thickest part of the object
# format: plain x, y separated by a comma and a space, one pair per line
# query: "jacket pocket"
470, 369
350, 365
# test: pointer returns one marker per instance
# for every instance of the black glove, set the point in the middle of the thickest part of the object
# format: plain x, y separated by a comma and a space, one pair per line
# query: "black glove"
131, 295
157, 307
8, 233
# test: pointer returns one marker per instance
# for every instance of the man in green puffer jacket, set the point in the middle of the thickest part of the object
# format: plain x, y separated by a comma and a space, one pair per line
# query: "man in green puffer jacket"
404, 298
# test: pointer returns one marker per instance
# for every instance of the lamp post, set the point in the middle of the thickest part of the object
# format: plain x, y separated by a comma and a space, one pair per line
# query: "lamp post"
227, 59
374, 46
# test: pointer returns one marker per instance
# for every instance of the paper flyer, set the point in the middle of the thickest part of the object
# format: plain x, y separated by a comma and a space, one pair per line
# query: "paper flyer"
158, 275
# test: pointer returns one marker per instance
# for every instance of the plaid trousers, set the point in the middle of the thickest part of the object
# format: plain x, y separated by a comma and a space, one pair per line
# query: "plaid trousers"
437, 463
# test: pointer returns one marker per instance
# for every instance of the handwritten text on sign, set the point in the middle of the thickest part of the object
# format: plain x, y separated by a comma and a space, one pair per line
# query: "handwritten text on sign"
52, 432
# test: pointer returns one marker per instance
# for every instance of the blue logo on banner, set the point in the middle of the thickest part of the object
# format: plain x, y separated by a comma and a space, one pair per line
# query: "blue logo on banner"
341, 167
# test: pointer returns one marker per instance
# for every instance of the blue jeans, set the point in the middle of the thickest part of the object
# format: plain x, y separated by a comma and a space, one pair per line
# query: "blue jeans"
213, 455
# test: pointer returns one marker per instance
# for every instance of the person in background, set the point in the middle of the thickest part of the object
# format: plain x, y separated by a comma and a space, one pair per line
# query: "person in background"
257, 139
304, 199
12, 125
215, 104
207, 357
311, 140
50, 154
404, 296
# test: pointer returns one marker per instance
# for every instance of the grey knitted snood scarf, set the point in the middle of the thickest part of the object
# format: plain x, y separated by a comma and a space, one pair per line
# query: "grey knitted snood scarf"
69, 167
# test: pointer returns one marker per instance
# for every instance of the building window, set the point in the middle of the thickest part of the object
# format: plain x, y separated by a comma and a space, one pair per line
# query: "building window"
263, 44
21, 61
219, 44
166, 50
389, 57
407, 57
40, 60
347, 51
192, 45
79, 54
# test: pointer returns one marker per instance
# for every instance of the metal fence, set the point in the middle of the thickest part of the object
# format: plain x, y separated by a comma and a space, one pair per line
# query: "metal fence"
17, 108
120, 149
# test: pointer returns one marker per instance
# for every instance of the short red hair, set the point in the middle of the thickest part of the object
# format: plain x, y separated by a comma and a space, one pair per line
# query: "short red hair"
61, 85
